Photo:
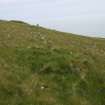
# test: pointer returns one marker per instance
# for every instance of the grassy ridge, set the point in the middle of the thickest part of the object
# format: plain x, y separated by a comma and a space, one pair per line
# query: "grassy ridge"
39, 66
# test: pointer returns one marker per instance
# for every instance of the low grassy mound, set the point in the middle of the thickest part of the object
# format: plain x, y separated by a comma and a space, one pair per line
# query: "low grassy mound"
45, 67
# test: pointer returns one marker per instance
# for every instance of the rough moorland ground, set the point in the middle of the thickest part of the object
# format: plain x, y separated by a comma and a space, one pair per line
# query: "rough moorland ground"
39, 66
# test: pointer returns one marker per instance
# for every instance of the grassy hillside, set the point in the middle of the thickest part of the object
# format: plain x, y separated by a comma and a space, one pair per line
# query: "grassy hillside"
39, 66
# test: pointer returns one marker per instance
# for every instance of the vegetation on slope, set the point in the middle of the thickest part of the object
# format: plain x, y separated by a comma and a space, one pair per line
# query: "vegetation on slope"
39, 66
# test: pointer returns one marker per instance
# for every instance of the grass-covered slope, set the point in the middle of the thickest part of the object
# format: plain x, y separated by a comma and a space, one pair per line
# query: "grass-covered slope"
45, 67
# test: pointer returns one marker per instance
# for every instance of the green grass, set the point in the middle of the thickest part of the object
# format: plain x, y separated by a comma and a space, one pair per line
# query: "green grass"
39, 66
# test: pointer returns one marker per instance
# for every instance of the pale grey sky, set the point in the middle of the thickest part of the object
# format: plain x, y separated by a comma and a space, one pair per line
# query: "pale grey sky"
77, 16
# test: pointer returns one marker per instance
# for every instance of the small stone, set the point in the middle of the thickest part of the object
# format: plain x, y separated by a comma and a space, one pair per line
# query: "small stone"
42, 87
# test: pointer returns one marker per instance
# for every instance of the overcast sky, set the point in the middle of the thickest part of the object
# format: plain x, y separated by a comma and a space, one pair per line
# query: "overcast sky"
85, 17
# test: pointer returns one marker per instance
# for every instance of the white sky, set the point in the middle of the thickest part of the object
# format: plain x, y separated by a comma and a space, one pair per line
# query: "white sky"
77, 16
